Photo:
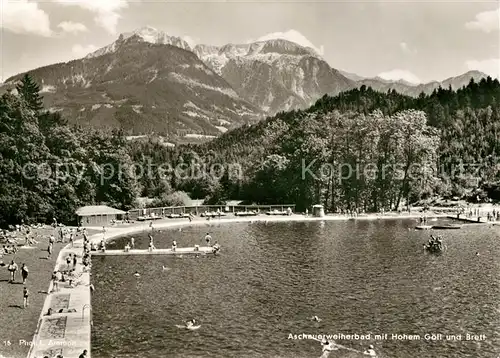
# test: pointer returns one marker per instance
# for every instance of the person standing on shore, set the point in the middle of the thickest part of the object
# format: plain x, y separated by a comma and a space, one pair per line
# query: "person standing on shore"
25, 297
49, 250
27, 239
132, 243
75, 260
151, 244
24, 273
12, 269
102, 245
55, 282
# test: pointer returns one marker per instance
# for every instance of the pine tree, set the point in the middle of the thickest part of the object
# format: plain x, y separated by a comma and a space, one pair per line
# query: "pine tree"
29, 90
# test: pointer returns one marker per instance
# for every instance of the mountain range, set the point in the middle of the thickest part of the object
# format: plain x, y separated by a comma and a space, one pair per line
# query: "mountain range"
147, 81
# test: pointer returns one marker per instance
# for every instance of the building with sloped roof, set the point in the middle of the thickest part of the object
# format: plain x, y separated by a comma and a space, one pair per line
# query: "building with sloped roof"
98, 215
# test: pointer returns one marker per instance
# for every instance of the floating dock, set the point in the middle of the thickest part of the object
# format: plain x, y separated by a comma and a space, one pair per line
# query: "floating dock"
423, 227
473, 219
446, 227
179, 251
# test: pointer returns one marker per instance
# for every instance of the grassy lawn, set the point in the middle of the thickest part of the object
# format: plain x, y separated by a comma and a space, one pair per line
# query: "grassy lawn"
16, 323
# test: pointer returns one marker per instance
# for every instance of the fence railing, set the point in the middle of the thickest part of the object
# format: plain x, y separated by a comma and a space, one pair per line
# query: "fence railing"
133, 214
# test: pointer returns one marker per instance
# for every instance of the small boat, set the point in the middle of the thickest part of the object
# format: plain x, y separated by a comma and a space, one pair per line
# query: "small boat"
212, 214
423, 227
446, 227
178, 216
276, 212
192, 328
149, 217
246, 213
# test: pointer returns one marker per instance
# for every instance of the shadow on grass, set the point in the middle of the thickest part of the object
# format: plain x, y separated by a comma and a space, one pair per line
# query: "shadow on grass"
16, 306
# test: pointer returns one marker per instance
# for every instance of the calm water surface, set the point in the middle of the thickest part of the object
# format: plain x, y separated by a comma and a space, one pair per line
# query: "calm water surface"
360, 277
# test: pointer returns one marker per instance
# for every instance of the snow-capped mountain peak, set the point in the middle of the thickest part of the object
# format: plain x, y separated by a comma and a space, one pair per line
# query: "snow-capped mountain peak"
295, 37
145, 34
263, 51
154, 36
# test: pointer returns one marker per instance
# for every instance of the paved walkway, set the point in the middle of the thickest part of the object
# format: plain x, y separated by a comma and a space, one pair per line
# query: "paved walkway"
65, 333
69, 333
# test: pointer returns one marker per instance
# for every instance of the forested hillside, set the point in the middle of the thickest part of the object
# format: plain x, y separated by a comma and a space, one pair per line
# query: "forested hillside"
459, 138
48, 169
360, 150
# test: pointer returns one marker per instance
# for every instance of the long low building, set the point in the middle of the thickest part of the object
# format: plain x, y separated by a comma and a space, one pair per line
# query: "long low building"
98, 215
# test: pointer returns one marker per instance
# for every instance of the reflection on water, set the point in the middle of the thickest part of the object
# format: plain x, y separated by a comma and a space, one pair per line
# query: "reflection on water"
359, 277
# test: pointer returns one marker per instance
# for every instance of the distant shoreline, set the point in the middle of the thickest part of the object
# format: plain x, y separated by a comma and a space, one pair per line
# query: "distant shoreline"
114, 232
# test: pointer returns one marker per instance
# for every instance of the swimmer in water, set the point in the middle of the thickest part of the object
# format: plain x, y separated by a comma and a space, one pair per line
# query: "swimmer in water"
216, 248
477, 253
370, 352
191, 323
208, 238
329, 346
315, 319
137, 274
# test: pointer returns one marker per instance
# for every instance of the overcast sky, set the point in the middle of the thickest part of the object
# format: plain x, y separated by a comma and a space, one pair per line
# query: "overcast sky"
418, 41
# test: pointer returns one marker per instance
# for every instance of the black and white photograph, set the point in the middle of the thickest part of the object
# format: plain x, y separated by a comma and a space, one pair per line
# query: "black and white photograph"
249, 179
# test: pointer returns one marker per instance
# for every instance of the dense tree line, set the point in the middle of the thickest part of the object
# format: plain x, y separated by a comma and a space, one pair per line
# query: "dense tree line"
49, 169
360, 150
461, 126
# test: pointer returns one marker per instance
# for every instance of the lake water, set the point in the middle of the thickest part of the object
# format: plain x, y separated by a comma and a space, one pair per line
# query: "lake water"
359, 277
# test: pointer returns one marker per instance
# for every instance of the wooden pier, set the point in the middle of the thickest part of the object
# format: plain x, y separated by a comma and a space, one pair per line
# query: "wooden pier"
179, 251
472, 219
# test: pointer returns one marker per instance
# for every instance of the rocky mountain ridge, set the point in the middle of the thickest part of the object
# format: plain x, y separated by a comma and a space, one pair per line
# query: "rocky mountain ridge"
148, 81
414, 90
143, 87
